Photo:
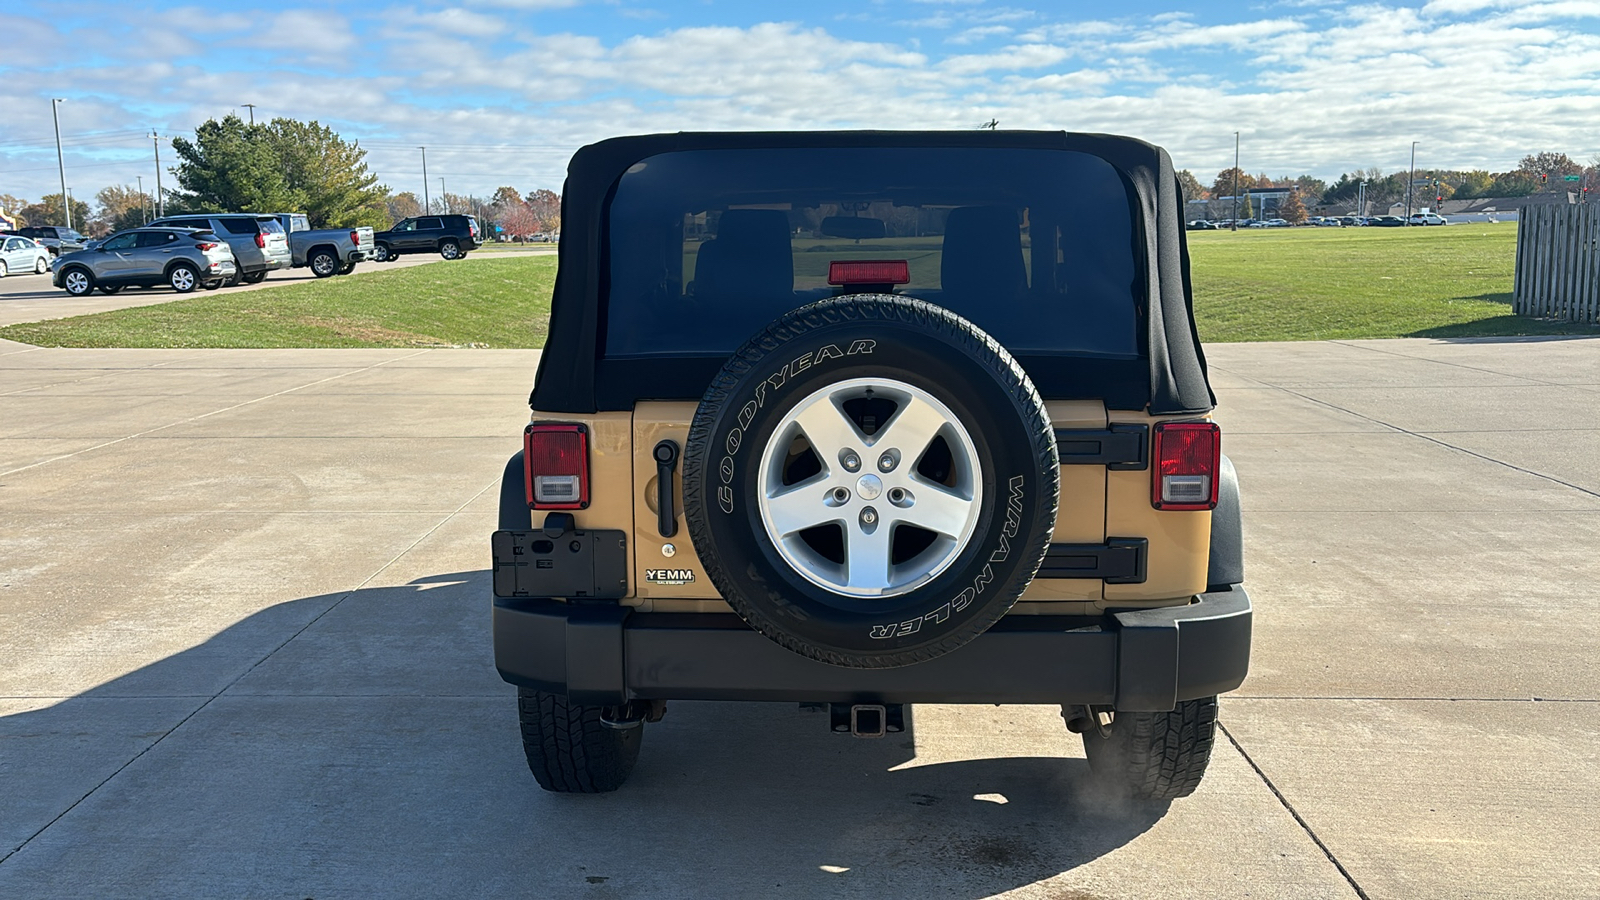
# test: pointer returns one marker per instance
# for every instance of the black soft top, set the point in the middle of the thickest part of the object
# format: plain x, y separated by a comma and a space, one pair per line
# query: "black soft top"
1176, 365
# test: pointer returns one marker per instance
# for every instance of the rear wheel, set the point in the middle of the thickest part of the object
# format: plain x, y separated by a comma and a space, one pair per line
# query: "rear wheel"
1154, 756
382, 253
183, 278
110, 288
237, 277
449, 249
254, 277
347, 268
78, 282
570, 750
40, 266
4, 271
323, 263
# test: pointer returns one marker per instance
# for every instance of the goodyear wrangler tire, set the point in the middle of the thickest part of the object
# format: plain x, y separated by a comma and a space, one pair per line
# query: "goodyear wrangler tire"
871, 481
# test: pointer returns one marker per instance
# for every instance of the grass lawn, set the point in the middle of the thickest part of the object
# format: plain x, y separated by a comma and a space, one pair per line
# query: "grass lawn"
478, 302
1297, 284
1254, 285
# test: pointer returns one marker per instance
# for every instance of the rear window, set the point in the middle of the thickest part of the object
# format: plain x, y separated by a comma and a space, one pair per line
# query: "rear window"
240, 225
270, 225
1035, 246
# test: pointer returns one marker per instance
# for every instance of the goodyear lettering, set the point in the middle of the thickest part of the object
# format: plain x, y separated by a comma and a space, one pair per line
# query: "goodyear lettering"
775, 381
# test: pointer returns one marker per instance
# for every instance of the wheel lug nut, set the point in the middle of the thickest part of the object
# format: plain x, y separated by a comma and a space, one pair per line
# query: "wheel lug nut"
840, 495
869, 516
896, 495
850, 461
888, 461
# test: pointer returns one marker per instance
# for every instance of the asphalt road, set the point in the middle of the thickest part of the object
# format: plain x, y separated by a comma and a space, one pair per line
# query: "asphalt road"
31, 298
244, 651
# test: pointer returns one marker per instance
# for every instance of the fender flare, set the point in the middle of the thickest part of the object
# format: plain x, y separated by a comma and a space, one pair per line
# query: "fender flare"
514, 512
1226, 565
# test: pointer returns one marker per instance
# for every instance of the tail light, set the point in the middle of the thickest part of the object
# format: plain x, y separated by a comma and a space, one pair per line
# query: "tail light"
355, 237
1187, 457
206, 245
869, 271
555, 462
261, 239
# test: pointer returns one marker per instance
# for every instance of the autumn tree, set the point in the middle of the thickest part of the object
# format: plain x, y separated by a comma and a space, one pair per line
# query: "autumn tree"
546, 207
519, 221
122, 207
403, 206
48, 211
1552, 166
1191, 187
1292, 209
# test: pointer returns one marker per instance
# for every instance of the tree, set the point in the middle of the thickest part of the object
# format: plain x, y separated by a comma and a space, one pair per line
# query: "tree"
231, 167
519, 221
403, 206
122, 207
1292, 209
326, 175
1191, 187
48, 211
1515, 184
284, 166
546, 207
1553, 166
506, 197
1476, 183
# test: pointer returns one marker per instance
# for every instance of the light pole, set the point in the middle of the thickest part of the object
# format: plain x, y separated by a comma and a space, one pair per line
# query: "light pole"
425, 202
1410, 186
1233, 224
60, 160
143, 220
158, 203
252, 108
444, 197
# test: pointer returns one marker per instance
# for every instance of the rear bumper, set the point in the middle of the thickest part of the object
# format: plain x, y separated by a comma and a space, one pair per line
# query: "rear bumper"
1143, 660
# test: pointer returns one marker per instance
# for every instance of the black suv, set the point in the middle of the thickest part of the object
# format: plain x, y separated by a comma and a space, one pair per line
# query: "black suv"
452, 237
858, 420
55, 238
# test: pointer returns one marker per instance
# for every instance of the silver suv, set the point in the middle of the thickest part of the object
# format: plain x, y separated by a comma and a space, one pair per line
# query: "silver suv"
181, 258
259, 243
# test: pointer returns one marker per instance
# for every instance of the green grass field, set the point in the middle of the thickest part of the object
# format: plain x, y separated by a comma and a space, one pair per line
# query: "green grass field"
1253, 285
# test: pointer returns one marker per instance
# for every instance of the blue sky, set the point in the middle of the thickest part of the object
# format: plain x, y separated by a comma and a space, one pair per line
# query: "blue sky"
502, 91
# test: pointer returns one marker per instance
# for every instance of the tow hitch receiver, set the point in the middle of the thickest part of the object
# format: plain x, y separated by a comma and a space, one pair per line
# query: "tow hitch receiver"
867, 720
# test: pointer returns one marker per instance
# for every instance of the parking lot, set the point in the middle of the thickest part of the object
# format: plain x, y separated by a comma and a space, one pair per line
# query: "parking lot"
244, 651
31, 298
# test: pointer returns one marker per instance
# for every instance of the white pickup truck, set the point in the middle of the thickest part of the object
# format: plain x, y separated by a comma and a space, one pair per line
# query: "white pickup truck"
328, 251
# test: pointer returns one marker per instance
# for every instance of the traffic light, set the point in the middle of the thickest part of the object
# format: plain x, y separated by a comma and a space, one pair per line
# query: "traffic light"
1543, 180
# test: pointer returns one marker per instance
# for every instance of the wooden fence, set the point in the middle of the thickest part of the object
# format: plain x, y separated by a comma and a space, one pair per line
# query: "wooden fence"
1558, 263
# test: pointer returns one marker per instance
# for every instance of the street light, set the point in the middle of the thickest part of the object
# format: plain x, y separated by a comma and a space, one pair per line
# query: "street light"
444, 197
143, 219
1409, 181
1234, 225
158, 203
60, 160
425, 201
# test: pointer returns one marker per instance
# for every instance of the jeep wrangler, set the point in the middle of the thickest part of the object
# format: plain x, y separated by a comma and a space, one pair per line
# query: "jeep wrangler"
862, 419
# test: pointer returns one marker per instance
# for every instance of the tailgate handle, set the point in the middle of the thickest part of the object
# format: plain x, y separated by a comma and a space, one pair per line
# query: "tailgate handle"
666, 456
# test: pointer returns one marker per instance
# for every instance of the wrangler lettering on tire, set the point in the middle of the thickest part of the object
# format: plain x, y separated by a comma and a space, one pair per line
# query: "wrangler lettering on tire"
871, 481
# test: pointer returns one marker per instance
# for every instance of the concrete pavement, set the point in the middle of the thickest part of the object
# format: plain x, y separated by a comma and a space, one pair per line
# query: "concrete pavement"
244, 651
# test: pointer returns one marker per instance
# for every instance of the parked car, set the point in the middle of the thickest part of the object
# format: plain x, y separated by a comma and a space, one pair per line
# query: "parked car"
452, 237
1387, 221
1201, 225
181, 258
327, 251
20, 255
1428, 218
55, 238
871, 470
258, 242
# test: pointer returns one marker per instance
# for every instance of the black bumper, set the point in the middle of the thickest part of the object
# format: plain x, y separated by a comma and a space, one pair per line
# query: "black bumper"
1142, 660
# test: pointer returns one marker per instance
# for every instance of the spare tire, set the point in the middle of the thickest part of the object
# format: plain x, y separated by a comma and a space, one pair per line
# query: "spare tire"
871, 481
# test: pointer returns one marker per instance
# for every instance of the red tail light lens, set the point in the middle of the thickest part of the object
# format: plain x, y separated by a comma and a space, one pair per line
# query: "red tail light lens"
869, 271
207, 245
355, 238
261, 240
555, 463
1187, 457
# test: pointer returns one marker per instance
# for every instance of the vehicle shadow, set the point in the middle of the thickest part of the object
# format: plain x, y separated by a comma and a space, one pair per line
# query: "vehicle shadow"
1509, 327
361, 743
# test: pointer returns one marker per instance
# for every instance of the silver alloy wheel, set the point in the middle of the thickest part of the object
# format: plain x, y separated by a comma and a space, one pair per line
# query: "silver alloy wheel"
870, 487
77, 282
324, 264
181, 279
4, 271
381, 253
450, 250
